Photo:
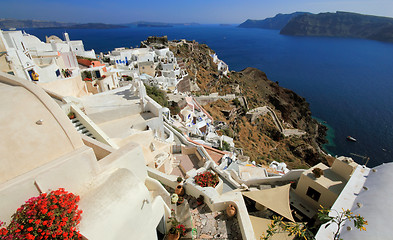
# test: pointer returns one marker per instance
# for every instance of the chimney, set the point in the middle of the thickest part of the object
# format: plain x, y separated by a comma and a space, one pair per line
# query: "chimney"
66, 37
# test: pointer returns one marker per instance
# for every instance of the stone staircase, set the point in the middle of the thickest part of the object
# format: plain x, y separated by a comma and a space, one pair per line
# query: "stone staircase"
81, 128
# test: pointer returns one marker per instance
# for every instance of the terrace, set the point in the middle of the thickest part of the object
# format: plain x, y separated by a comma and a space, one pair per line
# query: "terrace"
203, 223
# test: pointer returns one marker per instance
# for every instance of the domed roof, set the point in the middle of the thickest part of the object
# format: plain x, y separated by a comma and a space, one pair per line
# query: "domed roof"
53, 38
32, 38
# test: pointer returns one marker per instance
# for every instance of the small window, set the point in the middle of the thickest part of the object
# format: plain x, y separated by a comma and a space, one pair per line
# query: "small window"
314, 194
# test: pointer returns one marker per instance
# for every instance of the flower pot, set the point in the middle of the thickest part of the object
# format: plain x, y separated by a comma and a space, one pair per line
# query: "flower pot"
179, 190
173, 236
180, 201
231, 210
200, 200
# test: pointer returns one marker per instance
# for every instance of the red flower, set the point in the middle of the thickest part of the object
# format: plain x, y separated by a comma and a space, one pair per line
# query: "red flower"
3, 231
53, 214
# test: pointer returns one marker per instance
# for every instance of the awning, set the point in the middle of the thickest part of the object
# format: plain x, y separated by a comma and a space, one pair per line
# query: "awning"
276, 199
260, 225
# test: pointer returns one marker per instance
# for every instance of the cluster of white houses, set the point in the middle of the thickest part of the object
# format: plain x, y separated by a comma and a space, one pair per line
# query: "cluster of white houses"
78, 128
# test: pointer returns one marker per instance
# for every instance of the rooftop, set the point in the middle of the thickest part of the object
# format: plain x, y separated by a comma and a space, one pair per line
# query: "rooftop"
330, 180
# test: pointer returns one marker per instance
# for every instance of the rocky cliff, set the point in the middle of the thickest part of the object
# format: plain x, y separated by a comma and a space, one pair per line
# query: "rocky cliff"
260, 139
277, 22
341, 24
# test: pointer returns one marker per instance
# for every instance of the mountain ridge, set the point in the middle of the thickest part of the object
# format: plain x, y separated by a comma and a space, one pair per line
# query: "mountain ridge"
15, 23
277, 22
341, 24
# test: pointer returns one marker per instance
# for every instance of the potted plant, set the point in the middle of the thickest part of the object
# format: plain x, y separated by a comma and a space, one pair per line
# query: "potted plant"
206, 179
71, 115
179, 180
177, 230
231, 210
174, 198
179, 190
317, 172
200, 200
180, 200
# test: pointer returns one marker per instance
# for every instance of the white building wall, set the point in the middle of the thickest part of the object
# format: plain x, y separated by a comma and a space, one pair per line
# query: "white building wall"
26, 52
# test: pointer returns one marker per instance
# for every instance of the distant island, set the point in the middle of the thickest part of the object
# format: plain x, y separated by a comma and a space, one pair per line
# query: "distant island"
225, 25
277, 22
14, 23
92, 26
158, 24
339, 24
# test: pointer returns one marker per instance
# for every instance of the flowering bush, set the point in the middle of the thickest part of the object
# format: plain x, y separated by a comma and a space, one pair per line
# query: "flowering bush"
174, 198
49, 216
176, 226
206, 179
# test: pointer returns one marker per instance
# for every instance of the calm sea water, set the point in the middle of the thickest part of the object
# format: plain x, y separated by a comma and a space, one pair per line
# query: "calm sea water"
348, 82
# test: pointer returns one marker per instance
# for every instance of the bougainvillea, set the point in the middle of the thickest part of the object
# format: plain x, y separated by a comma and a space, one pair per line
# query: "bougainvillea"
206, 179
53, 215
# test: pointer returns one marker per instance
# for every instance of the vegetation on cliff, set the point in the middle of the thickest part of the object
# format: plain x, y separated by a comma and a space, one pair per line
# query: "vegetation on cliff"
259, 139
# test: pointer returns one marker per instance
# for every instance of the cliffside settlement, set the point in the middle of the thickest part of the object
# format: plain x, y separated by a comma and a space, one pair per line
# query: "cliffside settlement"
164, 131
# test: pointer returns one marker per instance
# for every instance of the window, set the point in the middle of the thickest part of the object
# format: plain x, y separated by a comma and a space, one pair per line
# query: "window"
314, 194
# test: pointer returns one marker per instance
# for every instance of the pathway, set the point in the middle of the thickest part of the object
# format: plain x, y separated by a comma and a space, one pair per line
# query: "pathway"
254, 113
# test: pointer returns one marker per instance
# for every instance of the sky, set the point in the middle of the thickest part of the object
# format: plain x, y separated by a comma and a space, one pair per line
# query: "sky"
179, 11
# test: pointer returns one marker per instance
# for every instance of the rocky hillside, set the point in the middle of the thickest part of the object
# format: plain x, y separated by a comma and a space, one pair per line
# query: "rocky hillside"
277, 22
341, 24
260, 139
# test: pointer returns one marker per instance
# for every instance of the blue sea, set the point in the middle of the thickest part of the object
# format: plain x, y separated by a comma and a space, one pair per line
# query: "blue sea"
348, 82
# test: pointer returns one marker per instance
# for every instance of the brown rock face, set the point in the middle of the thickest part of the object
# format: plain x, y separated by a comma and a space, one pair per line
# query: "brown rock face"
260, 139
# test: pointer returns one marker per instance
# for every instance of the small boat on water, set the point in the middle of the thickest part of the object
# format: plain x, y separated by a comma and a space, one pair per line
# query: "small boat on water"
352, 139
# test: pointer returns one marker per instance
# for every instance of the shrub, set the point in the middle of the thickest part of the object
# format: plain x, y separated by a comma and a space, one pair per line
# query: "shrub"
236, 102
179, 179
317, 172
49, 216
206, 179
225, 146
157, 95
